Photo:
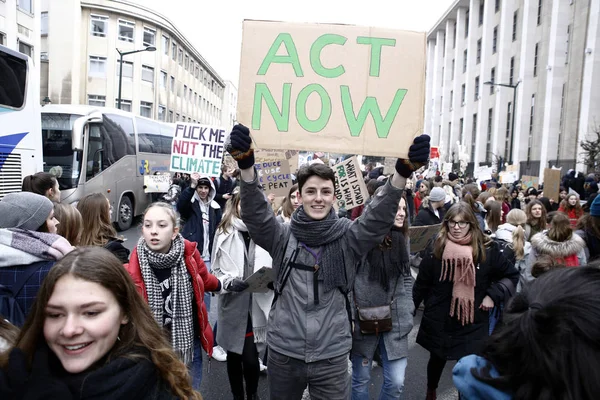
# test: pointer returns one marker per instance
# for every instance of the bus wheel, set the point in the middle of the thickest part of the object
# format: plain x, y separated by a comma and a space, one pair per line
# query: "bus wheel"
125, 217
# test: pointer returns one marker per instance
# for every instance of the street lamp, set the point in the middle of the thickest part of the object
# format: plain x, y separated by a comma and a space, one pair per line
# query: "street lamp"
124, 53
512, 124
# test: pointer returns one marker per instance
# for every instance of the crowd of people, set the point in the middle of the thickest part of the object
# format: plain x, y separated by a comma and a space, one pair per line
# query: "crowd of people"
508, 287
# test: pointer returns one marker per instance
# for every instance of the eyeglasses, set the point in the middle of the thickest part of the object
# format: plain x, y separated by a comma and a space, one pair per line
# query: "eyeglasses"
461, 224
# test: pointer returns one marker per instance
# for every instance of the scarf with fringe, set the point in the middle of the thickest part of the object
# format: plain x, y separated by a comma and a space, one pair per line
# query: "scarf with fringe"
458, 267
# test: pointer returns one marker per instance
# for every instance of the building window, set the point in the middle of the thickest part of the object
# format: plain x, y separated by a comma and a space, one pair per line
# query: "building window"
146, 109
179, 90
176, 117
174, 52
463, 94
562, 109
451, 100
149, 37
514, 28
97, 66
197, 71
512, 71
539, 13
476, 88
163, 80
25, 5
454, 37
98, 25
488, 146
186, 63
507, 143
44, 23
170, 116
173, 84
180, 57
26, 49
535, 59
126, 30
497, 6
184, 91
464, 61
2, 39
452, 69
165, 45
467, 23
162, 113
96, 100
461, 131
473, 136
148, 74
531, 118
567, 46
127, 69
481, 4
125, 104
478, 51
495, 40
492, 79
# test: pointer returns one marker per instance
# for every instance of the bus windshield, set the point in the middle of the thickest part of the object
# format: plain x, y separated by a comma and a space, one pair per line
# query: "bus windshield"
59, 157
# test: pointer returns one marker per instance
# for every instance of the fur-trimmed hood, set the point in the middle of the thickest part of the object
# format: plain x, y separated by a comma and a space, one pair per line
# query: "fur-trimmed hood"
544, 245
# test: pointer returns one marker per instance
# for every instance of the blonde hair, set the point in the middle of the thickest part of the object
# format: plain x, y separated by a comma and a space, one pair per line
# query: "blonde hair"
231, 211
70, 222
518, 218
173, 215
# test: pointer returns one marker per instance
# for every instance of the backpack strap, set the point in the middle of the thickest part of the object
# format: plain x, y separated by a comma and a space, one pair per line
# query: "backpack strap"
23, 278
290, 255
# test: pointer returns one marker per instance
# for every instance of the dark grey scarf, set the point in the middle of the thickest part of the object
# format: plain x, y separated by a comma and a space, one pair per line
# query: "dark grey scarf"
326, 232
389, 259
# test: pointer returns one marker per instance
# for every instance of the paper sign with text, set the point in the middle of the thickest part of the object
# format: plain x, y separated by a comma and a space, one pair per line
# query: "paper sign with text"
197, 148
259, 280
528, 181
332, 88
274, 176
351, 190
421, 235
157, 183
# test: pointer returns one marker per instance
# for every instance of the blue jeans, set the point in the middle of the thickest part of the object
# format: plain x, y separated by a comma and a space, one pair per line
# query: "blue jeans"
196, 366
393, 375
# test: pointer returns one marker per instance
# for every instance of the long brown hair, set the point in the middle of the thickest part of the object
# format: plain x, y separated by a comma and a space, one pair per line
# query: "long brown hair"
71, 223
98, 265
470, 193
531, 220
287, 208
97, 228
560, 228
478, 239
567, 207
231, 211
493, 216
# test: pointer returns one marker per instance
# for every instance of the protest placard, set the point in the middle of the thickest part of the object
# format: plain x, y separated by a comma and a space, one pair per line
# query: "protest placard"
197, 148
508, 177
157, 183
269, 155
528, 181
274, 177
447, 167
259, 280
552, 183
483, 173
351, 190
333, 88
421, 235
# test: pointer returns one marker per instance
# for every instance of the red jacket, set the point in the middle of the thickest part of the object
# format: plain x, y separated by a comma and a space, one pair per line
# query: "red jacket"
573, 216
202, 280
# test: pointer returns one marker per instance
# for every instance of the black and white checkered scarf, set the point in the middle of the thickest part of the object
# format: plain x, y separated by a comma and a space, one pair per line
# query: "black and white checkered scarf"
182, 294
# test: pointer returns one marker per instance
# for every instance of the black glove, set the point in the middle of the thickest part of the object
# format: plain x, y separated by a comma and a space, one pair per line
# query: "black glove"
236, 285
418, 155
239, 146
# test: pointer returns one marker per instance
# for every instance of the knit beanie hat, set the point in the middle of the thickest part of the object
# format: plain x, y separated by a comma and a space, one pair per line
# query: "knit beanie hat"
452, 176
437, 194
24, 210
595, 207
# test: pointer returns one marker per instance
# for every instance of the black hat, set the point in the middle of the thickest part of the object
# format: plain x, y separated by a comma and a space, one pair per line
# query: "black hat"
452, 176
204, 182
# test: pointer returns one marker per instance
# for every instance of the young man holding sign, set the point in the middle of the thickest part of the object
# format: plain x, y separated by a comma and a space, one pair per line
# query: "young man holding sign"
309, 332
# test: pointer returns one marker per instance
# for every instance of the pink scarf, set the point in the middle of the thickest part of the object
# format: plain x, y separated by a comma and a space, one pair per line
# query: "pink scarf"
458, 267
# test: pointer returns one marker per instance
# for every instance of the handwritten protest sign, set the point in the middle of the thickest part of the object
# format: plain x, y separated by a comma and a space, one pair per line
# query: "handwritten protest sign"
528, 181
274, 176
351, 190
197, 148
508, 177
259, 280
157, 183
421, 235
552, 183
332, 88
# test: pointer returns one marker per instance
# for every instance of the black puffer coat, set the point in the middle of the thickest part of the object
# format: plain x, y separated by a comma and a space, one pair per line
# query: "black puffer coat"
443, 335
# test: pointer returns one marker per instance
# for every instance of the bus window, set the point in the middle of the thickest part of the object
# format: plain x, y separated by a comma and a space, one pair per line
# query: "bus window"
166, 137
108, 142
148, 136
59, 158
13, 81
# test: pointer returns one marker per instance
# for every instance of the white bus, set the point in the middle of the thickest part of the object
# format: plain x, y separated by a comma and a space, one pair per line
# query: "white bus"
96, 149
20, 125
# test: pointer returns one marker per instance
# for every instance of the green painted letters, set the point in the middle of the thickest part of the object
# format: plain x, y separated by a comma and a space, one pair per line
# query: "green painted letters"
370, 106
281, 118
315, 55
376, 44
290, 58
320, 123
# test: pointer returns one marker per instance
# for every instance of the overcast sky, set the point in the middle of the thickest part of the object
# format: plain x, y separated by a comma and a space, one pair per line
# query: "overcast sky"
214, 27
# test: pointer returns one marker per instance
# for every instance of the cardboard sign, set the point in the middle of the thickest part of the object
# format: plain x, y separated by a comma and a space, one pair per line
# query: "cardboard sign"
332, 88
528, 181
157, 183
197, 148
274, 176
269, 155
259, 280
350, 188
552, 183
421, 235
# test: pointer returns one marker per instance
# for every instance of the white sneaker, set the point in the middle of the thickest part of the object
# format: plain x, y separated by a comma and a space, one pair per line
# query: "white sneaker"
219, 354
263, 367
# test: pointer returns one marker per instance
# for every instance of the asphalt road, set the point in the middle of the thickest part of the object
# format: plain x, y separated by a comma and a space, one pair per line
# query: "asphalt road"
215, 384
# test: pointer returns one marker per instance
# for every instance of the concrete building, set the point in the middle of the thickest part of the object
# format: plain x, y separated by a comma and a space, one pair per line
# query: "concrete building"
546, 52
229, 115
173, 83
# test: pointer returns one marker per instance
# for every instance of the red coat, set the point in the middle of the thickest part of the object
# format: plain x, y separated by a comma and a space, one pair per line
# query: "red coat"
573, 215
202, 280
